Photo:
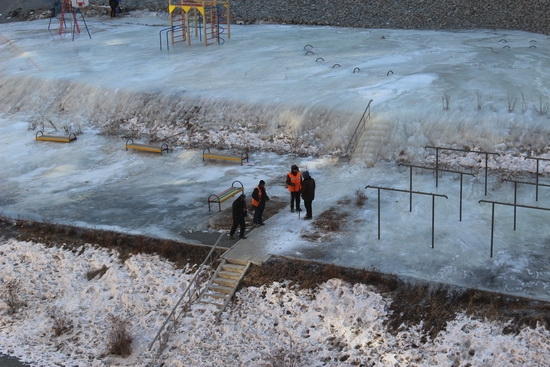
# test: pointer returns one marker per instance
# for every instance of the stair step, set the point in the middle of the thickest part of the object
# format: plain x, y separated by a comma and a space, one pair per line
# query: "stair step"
225, 282
221, 289
216, 295
219, 305
236, 268
236, 262
229, 274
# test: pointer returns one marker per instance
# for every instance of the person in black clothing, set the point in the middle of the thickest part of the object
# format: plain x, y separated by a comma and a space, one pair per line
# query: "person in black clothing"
259, 198
239, 214
308, 193
113, 4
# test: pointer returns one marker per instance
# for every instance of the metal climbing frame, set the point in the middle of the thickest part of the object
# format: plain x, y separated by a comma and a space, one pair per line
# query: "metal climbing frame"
71, 7
200, 18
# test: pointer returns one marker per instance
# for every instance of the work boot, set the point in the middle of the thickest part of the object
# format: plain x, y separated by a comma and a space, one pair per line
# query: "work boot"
242, 237
299, 209
292, 210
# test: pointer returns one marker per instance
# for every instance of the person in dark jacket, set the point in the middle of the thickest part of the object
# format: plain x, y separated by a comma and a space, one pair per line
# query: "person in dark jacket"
259, 198
239, 215
308, 193
114, 5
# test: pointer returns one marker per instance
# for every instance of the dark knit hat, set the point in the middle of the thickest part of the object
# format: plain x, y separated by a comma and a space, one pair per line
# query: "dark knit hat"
306, 174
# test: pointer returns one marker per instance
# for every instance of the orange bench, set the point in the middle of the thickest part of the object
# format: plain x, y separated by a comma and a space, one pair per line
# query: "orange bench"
58, 139
146, 147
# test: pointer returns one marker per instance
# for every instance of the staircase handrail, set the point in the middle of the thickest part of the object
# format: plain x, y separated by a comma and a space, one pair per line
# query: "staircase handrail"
359, 129
189, 291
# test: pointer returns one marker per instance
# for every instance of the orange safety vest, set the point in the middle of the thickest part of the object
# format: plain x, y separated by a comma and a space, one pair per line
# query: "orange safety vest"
257, 202
297, 180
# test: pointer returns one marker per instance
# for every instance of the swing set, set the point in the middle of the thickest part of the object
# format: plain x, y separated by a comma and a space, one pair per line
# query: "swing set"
71, 8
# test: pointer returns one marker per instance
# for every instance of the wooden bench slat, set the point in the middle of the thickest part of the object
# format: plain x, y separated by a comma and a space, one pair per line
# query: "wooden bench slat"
223, 157
226, 157
146, 147
225, 194
40, 136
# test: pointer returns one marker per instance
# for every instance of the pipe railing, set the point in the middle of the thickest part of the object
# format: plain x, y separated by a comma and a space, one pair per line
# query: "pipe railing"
192, 293
411, 166
437, 149
412, 192
537, 175
352, 144
493, 203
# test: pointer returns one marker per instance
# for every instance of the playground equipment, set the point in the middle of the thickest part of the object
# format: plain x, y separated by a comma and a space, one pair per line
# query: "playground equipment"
72, 7
202, 18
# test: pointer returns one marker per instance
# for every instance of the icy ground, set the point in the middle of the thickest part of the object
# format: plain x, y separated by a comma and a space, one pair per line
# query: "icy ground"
485, 90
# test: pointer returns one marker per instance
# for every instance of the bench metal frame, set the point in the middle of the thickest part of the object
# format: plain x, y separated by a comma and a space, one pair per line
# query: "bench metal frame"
58, 139
225, 195
146, 147
225, 157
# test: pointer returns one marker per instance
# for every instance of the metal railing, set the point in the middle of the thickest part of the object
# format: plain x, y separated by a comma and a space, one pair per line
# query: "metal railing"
411, 166
189, 296
167, 31
410, 192
352, 144
493, 203
437, 149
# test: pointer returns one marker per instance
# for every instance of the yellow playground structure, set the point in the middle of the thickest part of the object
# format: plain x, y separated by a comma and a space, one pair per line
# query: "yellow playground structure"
203, 19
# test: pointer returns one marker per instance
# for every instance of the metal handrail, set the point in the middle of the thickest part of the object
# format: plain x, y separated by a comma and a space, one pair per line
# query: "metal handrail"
358, 129
168, 30
193, 289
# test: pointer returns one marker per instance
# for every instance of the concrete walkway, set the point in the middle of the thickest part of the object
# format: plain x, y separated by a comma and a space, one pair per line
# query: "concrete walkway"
252, 249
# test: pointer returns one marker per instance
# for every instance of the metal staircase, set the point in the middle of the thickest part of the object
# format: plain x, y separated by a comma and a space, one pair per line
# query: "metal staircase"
223, 283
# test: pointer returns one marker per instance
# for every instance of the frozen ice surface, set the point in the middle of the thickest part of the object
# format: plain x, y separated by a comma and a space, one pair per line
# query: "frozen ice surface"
262, 90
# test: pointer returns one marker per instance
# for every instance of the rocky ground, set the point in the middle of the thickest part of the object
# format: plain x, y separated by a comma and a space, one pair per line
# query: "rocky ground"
19, 10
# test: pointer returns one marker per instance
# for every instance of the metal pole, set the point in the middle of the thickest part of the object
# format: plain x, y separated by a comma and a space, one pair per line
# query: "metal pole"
515, 202
433, 221
436, 166
411, 189
492, 226
486, 173
460, 205
537, 182
378, 213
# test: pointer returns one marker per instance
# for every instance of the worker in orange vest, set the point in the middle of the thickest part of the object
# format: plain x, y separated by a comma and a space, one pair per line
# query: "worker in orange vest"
259, 198
294, 184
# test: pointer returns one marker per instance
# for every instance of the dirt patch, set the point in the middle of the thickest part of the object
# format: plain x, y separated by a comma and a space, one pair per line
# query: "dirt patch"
431, 304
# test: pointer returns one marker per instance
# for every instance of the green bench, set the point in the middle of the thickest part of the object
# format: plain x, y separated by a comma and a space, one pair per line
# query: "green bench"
58, 139
146, 147
206, 154
225, 195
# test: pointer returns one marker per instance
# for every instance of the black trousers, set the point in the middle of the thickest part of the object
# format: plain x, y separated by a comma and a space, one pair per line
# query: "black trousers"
294, 198
307, 204
236, 223
258, 213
